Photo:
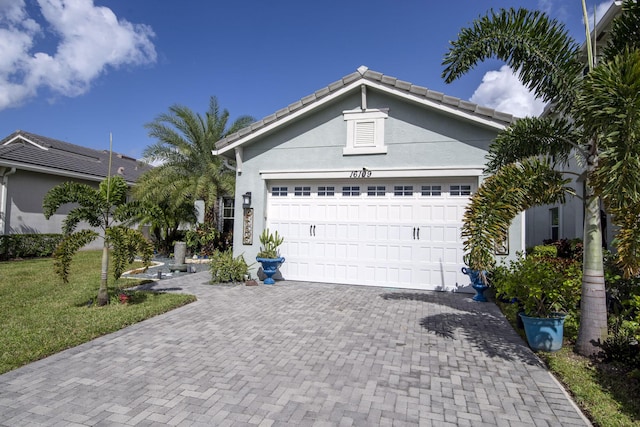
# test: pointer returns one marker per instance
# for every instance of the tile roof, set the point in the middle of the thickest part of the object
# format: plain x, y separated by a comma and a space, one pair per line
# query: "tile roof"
363, 73
36, 152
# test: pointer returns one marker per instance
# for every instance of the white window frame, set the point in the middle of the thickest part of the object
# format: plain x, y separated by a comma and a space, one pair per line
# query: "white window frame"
554, 212
371, 118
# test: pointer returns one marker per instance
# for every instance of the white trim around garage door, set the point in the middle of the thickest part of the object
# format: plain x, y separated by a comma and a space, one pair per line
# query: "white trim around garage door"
399, 232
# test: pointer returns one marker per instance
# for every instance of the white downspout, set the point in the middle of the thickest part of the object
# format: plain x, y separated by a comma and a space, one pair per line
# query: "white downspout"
4, 185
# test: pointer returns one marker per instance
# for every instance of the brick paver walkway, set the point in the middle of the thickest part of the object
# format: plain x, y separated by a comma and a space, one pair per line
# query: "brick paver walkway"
296, 354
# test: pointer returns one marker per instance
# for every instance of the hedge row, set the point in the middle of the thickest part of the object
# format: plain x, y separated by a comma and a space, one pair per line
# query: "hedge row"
28, 245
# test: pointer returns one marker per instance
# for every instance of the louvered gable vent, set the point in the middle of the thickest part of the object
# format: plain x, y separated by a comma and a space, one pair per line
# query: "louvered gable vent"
365, 131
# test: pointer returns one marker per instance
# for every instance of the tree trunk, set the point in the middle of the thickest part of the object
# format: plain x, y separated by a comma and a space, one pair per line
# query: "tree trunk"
103, 292
593, 305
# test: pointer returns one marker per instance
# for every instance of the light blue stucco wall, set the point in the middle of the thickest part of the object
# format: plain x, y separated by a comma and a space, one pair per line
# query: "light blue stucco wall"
416, 137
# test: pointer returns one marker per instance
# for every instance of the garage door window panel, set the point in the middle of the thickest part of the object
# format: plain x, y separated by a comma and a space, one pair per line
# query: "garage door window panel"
326, 191
460, 190
403, 190
431, 190
279, 191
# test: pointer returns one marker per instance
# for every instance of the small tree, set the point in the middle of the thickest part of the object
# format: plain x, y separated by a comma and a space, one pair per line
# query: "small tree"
103, 208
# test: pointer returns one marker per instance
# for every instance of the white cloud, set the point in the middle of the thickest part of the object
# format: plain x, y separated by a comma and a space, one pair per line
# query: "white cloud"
92, 40
503, 91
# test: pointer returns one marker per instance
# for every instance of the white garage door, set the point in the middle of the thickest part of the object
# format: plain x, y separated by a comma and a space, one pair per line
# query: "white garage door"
393, 234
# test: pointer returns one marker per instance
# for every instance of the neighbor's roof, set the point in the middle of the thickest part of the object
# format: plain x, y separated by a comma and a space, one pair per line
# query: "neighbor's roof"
28, 151
374, 79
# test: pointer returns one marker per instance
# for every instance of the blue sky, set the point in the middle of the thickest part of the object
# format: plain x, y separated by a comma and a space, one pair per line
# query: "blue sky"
77, 70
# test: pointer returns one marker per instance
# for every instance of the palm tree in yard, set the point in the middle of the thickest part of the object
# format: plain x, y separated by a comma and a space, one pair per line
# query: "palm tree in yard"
104, 208
188, 170
596, 120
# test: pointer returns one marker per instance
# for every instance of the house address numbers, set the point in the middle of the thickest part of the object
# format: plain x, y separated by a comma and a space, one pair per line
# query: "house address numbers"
364, 173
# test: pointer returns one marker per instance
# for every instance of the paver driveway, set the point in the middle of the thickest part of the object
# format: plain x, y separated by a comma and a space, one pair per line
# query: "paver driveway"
296, 354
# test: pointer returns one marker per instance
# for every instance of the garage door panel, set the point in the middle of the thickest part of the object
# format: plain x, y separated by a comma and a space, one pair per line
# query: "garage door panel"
437, 213
382, 238
436, 233
452, 234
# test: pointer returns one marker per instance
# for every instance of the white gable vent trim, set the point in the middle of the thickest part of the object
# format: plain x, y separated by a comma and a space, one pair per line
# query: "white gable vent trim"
365, 131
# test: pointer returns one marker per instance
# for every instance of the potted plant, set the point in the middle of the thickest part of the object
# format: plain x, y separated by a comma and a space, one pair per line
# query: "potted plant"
546, 288
268, 255
479, 282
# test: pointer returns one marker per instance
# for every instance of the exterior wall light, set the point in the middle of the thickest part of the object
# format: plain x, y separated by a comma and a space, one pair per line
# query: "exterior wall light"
246, 200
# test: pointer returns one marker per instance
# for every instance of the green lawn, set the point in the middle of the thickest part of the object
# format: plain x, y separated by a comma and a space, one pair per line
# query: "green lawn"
40, 316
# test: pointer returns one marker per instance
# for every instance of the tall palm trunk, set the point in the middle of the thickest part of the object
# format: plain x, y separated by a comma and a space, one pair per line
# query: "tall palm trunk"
103, 292
593, 305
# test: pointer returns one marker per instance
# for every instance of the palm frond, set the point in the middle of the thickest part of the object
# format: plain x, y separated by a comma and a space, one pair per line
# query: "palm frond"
625, 30
533, 136
610, 108
68, 192
501, 197
537, 48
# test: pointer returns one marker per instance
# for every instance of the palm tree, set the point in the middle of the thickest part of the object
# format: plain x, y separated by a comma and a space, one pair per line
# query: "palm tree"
160, 212
189, 171
595, 117
103, 208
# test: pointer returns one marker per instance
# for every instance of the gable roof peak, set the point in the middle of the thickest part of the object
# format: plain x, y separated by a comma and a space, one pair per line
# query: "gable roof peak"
363, 75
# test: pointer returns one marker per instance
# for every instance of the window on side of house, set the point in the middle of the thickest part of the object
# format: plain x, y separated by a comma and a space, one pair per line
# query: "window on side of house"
365, 131
228, 205
554, 220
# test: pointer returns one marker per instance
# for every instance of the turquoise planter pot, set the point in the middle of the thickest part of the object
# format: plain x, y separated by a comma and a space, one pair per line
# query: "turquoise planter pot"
544, 333
269, 267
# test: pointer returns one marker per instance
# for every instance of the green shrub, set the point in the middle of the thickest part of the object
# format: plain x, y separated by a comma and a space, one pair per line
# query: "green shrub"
202, 240
567, 248
621, 345
541, 284
225, 268
28, 245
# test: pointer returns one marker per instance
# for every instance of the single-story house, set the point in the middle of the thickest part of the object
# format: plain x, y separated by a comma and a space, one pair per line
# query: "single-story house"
367, 179
30, 165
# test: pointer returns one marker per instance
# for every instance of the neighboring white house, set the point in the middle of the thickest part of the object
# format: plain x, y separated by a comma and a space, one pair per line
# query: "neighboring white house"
30, 165
367, 179
560, 221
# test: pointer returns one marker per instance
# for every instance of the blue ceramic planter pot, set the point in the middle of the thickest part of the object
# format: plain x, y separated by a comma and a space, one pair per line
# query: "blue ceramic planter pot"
269, 267
544, 333
479, 296
476, 283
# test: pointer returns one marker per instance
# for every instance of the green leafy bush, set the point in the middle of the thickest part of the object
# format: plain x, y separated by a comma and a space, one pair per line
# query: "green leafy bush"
621, 345
202, 240
28, 245
567, 248
541, 283
225, 268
